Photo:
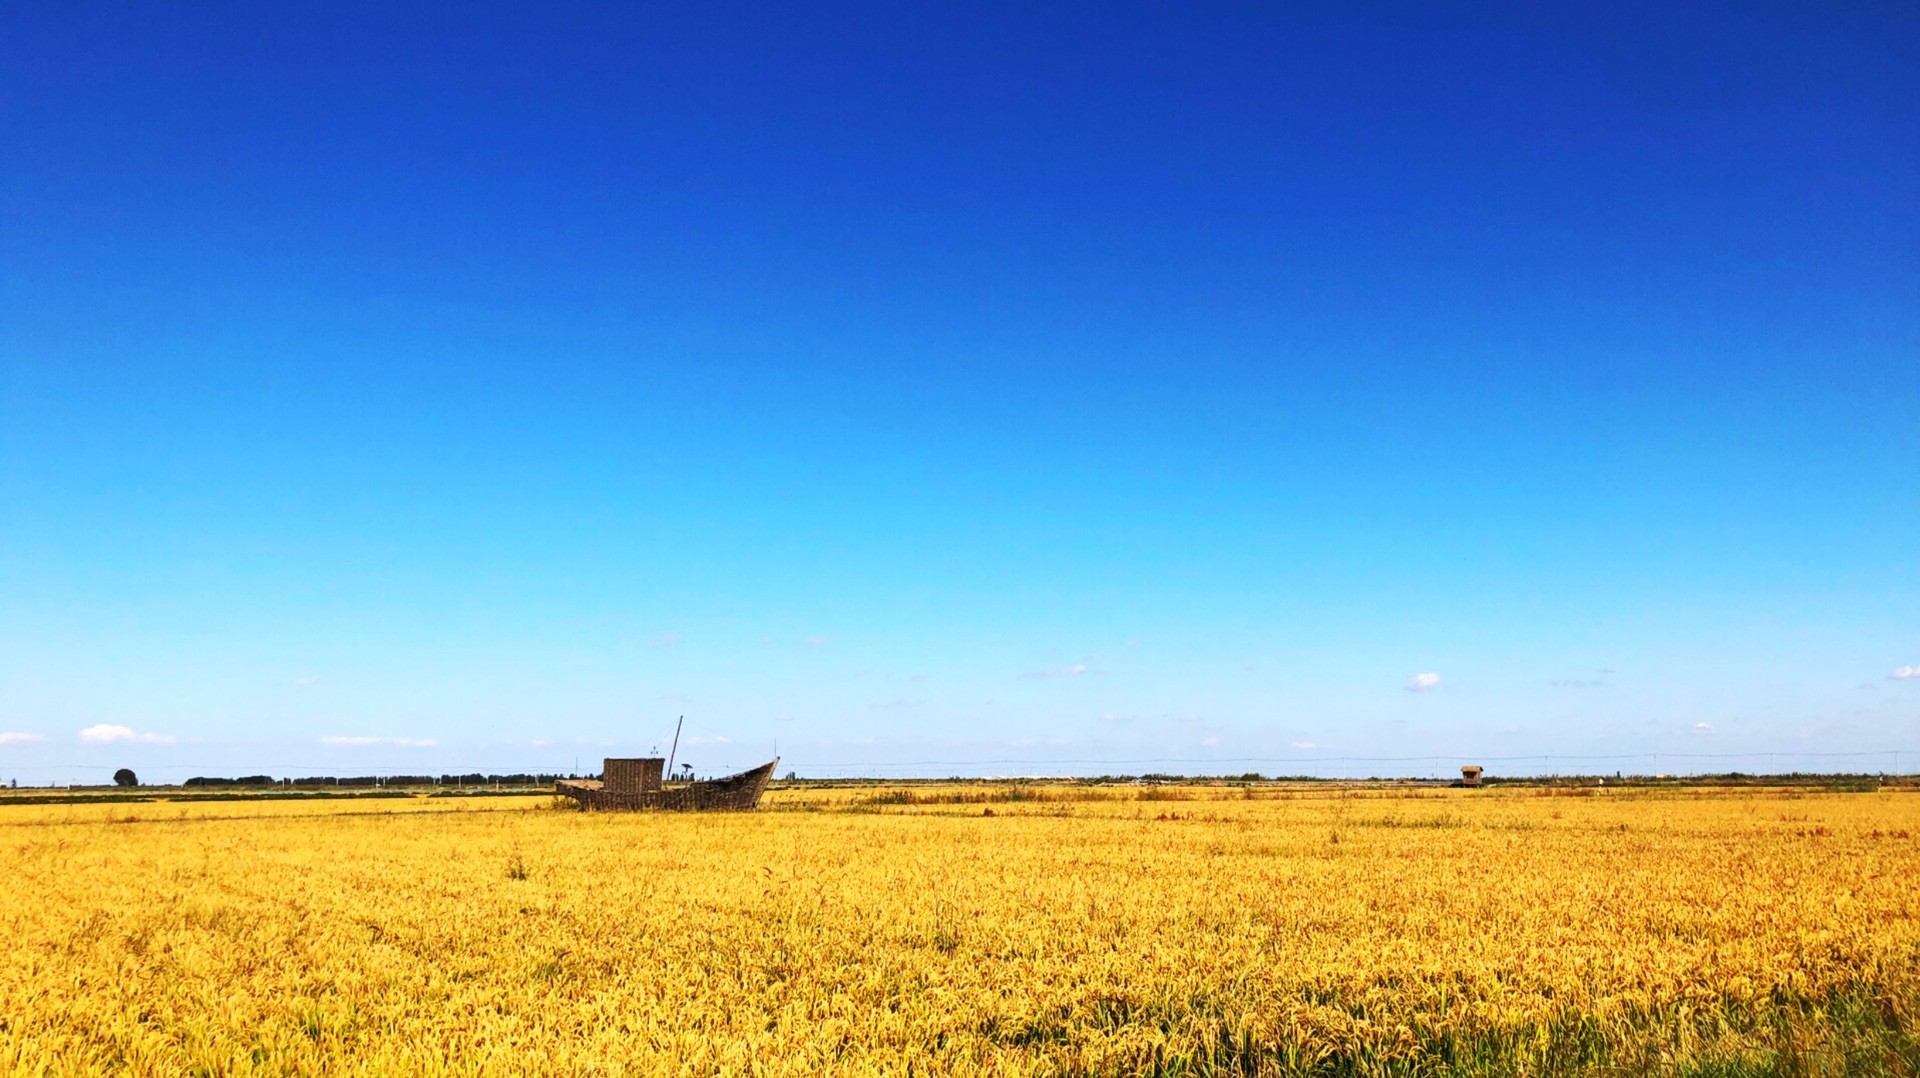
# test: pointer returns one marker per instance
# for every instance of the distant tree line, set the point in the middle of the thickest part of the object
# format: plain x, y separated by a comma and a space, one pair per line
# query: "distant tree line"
475, 779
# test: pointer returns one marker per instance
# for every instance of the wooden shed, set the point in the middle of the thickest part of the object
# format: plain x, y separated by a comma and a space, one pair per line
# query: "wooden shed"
1470, 775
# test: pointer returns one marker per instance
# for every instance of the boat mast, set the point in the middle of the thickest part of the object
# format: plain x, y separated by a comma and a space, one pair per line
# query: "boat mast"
676, 745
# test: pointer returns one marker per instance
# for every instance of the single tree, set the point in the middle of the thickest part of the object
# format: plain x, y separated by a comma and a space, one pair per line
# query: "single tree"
125, 777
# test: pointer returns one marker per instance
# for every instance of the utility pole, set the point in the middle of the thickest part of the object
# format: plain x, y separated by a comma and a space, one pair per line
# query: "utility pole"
676, 744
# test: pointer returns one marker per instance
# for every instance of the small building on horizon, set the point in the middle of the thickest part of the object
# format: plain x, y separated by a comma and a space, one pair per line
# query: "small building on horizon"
1470, 775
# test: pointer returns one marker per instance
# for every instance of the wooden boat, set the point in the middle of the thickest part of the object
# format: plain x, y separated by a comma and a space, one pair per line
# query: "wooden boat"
636, 784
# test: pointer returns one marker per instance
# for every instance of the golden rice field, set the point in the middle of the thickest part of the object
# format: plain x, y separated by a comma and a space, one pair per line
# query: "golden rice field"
951, 931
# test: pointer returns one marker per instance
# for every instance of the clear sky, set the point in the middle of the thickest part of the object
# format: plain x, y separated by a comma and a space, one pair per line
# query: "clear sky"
957, 388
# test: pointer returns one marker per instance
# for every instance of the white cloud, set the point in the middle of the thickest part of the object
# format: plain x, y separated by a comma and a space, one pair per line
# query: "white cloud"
1905, 673
1304, 745
303, 682
717, 740
1422, 682
668, 639
816, 640
105, 732
403, 742
1576, 684
1210, 742
1070, 670
1703, 726
10, 737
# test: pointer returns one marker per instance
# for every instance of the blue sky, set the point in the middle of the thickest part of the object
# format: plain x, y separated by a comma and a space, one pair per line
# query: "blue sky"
991, 389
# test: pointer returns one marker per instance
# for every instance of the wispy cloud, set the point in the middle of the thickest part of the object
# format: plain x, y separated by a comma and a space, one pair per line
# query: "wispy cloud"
894, 705
667, 639
103, 733
1304, 745
1069, 670
303, 682
1422, 682
816, 641
1210, 742
358, 740
1703, 726
1905, 673
1576, 684
14, 737
715, 740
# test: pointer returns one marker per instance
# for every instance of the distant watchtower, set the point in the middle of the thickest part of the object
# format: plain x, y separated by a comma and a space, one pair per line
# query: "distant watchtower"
1469, 775
634, 775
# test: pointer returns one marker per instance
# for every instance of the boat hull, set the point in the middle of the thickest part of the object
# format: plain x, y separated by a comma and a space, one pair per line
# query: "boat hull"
734, 793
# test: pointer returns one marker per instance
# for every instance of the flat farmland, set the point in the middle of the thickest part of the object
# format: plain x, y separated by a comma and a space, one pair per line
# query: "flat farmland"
971, 929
